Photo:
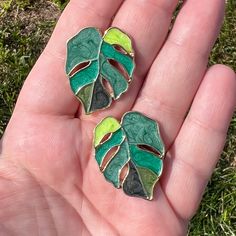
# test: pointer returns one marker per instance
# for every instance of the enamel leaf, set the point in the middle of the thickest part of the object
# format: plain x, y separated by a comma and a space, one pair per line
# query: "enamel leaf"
139, 147
90, 65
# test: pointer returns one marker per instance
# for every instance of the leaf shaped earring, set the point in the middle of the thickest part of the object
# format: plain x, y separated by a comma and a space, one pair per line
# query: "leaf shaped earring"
99, 68
136, 164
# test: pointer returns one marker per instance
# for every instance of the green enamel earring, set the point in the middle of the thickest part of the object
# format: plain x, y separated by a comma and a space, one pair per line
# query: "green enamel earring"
130, 153
99, 68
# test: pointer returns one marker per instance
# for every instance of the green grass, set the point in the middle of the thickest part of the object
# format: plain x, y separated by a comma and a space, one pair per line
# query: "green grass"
25, 27
24, 31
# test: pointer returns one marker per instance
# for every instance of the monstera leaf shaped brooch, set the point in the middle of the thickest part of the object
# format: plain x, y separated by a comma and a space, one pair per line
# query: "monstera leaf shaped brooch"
99, 68
136, 163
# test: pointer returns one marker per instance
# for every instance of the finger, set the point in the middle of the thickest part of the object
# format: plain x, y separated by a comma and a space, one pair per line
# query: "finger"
147, 22
178, 70
200, 141
47, 89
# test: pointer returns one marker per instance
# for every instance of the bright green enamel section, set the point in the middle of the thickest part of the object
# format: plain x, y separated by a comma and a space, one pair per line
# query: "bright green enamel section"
114, 77
117, 37
110, 53
84, 77
106, 126
115, 140
148, 179
83, 47
89, 48
146, 159
141, 130
112, 170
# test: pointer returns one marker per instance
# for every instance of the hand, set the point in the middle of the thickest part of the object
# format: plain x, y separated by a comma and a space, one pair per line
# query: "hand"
50, 183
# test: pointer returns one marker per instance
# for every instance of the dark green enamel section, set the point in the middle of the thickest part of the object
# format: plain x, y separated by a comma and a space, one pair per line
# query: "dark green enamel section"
84, 77
85, 95
100, 98
148, 179
90, 48
146, 159
132, 185
115, 140
112, 170
141, 130
111, 53
114, 77
83, 47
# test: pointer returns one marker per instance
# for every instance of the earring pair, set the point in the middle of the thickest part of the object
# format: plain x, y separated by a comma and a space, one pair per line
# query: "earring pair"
100, 69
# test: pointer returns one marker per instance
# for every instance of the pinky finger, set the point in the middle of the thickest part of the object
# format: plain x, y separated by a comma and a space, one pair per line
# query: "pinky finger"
197, 148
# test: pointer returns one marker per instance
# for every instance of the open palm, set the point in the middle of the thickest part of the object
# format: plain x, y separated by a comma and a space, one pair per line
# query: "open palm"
50, 183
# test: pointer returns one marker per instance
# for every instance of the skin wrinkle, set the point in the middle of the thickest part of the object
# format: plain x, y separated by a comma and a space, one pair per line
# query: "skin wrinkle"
67, 202
86, 200
182, 163
37, 221
35, 169
11, 173
82, 207
81, 171
85, 133
182, 221
167, 75
220, 137
181, 37
40, 186
159, 104
140, 73
48, 53
24, 193
89, 7
184, 47
6, 231
49, 207
36, 188
63, 117
202, 125
166, 6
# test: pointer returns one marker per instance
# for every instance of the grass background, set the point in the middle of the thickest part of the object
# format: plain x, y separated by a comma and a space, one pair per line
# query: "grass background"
25, 26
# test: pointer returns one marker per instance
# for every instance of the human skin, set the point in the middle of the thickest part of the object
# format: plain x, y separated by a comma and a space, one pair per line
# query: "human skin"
50, 183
